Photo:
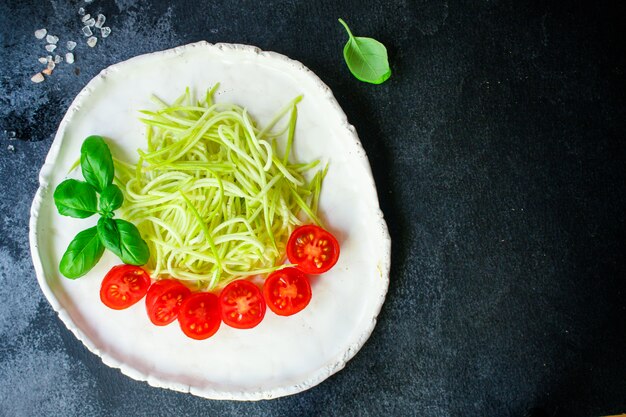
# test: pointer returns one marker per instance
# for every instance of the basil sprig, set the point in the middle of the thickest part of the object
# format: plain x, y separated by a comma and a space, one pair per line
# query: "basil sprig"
366, 58
79, 199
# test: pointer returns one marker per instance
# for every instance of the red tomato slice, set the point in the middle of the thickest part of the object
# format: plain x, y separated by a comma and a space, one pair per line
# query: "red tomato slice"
313, 249
199, 315
242, 304
164, 299
123, 286
287, 291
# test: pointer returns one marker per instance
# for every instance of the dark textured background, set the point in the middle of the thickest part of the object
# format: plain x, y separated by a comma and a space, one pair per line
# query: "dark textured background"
497, 147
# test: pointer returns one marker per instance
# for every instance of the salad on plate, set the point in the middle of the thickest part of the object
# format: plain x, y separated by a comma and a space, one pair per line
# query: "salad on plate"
215, 223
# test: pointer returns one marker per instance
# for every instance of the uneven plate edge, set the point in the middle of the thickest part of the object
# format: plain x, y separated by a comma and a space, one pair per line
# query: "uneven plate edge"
275, 392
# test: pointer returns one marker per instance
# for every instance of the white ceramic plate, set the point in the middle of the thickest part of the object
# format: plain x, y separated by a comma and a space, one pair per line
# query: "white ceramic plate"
283, 355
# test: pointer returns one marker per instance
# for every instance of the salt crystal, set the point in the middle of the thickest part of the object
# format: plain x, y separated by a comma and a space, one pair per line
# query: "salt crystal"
92, 41
100, 21
50, 48
106, 31
10, 134
51, 65
57, 59
69, 58
40, 33
87, 31
11, 148
43, 60
37, 78
90, 22
86, 17
47, 71
52, 39
71, 45
81, 11
88, 1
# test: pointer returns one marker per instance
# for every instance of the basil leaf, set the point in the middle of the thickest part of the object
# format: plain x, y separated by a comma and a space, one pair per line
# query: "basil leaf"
111, 198
82, 254
123, 239
96, 162
366, 58
75, 199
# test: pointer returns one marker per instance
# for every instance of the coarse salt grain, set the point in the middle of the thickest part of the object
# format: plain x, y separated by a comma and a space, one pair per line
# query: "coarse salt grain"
71, 45
43, 60
11, 148
52, 39
69, 58
57, 59
47, 71
81, 11
90, 22
50, 48
92, 41
100, 21
37, 78
87, 31
51, 65
40, 33
86, 17
106, 31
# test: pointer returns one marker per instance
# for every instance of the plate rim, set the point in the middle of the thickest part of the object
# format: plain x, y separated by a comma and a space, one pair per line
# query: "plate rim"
315, 377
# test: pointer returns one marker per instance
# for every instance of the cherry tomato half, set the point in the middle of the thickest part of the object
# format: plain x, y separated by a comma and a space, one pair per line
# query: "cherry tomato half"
242, 304
313, 249
164, 299
199, 315
123, 286
287, 291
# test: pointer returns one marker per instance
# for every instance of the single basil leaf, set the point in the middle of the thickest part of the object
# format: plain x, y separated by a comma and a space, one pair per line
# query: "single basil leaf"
111, 198
123, 239
82, 254
366, 58
75, 199
96, 162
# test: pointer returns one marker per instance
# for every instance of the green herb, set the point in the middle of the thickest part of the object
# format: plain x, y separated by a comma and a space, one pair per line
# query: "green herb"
123, 239
76, 199
366, 58
111, 198
79, 199
96, 162
83, 253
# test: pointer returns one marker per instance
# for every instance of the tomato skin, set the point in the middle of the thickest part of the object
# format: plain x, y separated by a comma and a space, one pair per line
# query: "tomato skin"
242, 305
163, 301
123, 286
313, 249
199, 315
287, 291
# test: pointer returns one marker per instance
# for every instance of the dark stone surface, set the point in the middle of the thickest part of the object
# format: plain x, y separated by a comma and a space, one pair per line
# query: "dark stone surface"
498, 149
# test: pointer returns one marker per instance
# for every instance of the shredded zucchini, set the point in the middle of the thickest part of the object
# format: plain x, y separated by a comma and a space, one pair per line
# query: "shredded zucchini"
212, 195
